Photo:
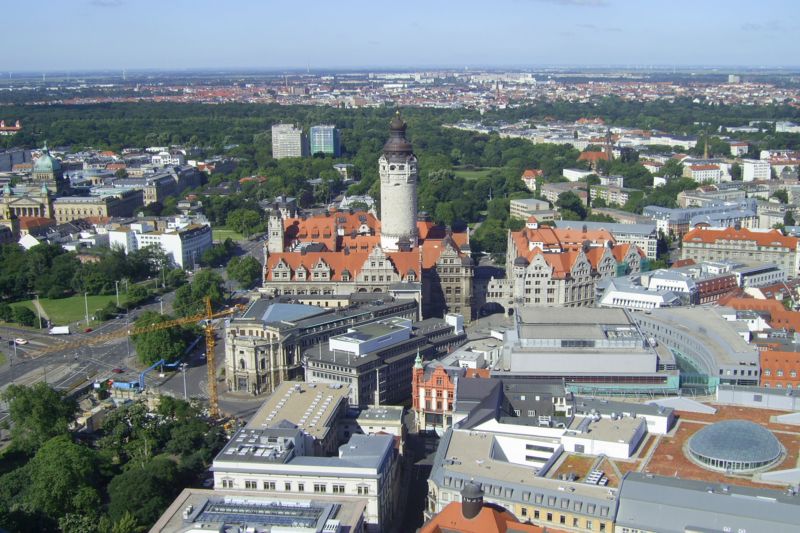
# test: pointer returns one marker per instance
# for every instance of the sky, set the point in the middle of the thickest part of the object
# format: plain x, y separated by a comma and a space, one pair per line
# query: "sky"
267, 34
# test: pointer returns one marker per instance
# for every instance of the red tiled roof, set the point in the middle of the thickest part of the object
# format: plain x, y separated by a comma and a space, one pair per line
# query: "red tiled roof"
35, 222
593, 156
696, 168
532, 173
768, 238
488, 520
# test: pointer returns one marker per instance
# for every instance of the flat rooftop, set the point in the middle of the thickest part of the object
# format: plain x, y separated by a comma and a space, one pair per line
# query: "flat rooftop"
310, 406
213, 509
467, 455
705, 325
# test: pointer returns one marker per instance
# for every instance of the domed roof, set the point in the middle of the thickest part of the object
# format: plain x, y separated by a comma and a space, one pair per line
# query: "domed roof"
737, 441
46, 162
397, 144
471, 490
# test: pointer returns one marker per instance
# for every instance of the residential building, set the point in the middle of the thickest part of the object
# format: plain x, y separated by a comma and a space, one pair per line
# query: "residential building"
703, 173
288, 141
743, 245
325, 139
708, 195
644, 236
551, 191
755, 170
738, 148
613, 195
527, 207
779, 369
530, 178
552, 266
375, 360
264, 346
183, 246
693, 505
273, 462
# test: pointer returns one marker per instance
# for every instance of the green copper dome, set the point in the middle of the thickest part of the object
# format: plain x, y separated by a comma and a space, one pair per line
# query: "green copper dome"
46, 163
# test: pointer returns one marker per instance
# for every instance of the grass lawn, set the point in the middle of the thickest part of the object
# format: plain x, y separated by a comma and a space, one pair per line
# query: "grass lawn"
473, 174
66, 310
220, 234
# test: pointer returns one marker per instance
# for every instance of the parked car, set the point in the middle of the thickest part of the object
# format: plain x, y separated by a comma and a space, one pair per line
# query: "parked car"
21, 341
117, 370
88, 330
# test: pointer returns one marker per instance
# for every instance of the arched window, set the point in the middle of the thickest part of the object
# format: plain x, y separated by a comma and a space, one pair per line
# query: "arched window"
241, 364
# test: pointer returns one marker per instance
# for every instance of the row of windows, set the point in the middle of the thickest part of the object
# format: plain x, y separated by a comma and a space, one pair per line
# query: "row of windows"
779, 373
563, 519
319, 488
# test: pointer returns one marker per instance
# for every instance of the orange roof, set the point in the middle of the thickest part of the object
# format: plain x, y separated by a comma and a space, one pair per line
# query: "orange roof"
532, 173
682, 263
339, 262
488, 520
751, 304
704, 167
593, 156
761, 238
35, 222
115, 166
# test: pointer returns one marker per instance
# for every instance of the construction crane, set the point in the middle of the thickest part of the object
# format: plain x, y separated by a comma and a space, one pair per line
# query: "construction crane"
208, 330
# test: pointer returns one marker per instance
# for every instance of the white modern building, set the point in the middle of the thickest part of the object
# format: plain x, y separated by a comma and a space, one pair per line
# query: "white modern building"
183, 245
288, 141
576, 174
274, 461
755, 170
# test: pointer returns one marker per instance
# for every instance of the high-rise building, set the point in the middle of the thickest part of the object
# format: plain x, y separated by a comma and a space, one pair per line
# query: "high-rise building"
325, 138
288, 141
398, 172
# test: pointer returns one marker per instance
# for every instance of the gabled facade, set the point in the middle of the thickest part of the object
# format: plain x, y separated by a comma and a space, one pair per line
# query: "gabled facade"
342, 253
550, 266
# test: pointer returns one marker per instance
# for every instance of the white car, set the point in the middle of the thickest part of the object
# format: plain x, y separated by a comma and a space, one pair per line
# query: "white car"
20, 341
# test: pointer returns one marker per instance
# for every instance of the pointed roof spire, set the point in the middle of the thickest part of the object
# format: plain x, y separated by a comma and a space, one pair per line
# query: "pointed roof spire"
418, 360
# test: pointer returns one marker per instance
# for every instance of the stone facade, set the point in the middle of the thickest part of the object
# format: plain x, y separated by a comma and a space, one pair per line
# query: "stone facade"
553, 267
398, 173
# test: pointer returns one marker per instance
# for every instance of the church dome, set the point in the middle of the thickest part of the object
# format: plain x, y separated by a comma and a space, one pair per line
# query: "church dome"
46, 163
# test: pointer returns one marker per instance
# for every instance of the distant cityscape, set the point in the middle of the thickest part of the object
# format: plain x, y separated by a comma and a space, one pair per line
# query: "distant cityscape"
434, 301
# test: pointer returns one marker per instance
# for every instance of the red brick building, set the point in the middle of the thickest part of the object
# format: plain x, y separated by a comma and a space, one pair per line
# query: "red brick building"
432, 392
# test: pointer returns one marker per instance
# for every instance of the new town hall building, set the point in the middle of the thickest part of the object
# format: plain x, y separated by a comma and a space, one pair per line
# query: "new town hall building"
560, 267
342, 253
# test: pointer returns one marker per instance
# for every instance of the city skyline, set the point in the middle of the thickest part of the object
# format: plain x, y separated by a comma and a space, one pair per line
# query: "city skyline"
518, 33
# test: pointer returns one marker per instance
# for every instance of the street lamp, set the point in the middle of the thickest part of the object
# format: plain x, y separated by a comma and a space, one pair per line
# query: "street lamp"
86, 306
183, 371
161, 305
38, 312
116, 288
